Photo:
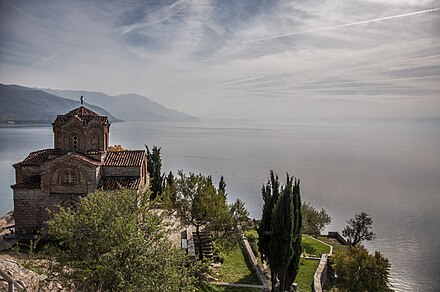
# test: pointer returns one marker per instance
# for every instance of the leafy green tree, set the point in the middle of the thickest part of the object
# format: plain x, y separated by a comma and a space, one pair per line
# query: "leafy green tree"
201, 204
281, 232
359, 229
222, 222
313, 220
154, 167
115, 242
358, 270
239, 211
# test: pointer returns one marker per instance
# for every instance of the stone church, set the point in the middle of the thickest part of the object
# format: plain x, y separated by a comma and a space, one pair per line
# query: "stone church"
79, 163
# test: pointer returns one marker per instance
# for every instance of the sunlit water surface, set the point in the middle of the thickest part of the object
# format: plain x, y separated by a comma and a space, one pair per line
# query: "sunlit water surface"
388, 170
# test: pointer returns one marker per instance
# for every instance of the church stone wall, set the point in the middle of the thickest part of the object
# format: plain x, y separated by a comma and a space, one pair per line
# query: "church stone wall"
93, 136
64, 135
28, 209
86, 177
122, 171
53, 201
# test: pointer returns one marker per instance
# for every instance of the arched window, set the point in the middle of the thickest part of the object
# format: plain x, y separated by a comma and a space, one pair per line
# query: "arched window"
69, 177
75, 142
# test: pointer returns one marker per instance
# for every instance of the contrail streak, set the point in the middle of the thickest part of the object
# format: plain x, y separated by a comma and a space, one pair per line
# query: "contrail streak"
347, 24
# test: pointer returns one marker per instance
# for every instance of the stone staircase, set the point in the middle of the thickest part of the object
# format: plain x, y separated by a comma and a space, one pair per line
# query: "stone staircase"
206, 243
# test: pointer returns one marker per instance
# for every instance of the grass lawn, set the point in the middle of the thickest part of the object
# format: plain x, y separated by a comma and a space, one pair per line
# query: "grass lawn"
337, 247
236, 268
314, 247
215, 288
307, 269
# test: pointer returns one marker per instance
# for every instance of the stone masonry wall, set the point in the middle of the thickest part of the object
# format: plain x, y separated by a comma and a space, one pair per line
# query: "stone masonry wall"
86, 179
122, 171
28, 209
320, 277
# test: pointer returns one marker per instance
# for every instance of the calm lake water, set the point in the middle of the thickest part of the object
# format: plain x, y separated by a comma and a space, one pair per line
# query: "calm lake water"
388, 170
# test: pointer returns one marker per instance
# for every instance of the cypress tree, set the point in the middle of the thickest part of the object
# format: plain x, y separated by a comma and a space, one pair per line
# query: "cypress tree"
222, 185
154, 167
170, 179
270, 193
280, 230
297, 231
282, 224
169, 187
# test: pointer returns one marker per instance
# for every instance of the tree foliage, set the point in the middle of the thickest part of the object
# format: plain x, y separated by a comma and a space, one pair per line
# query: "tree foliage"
280, 230
313, 220
116, 148
154, 167
114, 242
239, 211
358, 270
359, 229
169, 194
222, 185
270, 193
201, 204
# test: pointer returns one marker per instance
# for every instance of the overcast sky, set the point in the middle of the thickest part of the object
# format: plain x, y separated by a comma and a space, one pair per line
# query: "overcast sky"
254, 59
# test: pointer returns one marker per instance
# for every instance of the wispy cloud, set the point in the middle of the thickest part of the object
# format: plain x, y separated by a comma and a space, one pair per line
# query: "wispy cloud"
163, 14
347, 24
248, 59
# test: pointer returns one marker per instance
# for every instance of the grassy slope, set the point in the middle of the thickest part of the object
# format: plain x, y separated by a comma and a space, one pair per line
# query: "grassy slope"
313, 247
307, 269
237, 269
205, 287
337, 247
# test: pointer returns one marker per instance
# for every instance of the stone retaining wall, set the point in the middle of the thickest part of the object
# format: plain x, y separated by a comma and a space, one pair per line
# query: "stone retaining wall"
255, 265
320, 276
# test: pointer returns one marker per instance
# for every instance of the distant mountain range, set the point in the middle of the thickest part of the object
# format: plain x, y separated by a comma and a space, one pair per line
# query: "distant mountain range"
32, 105
129, 107
28, 105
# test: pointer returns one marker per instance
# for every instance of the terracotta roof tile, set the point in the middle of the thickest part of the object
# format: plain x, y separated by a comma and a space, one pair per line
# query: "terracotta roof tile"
33, 182
40, 156
125, 158
94, 152
85, 158
83, 114
81, 111
112, 183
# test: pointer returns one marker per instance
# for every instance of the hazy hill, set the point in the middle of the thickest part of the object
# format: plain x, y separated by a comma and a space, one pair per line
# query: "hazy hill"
129, 107
23, 104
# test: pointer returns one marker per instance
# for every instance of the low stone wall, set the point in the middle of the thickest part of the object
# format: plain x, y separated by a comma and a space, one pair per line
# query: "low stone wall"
337, 236
320, 276
255, 265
